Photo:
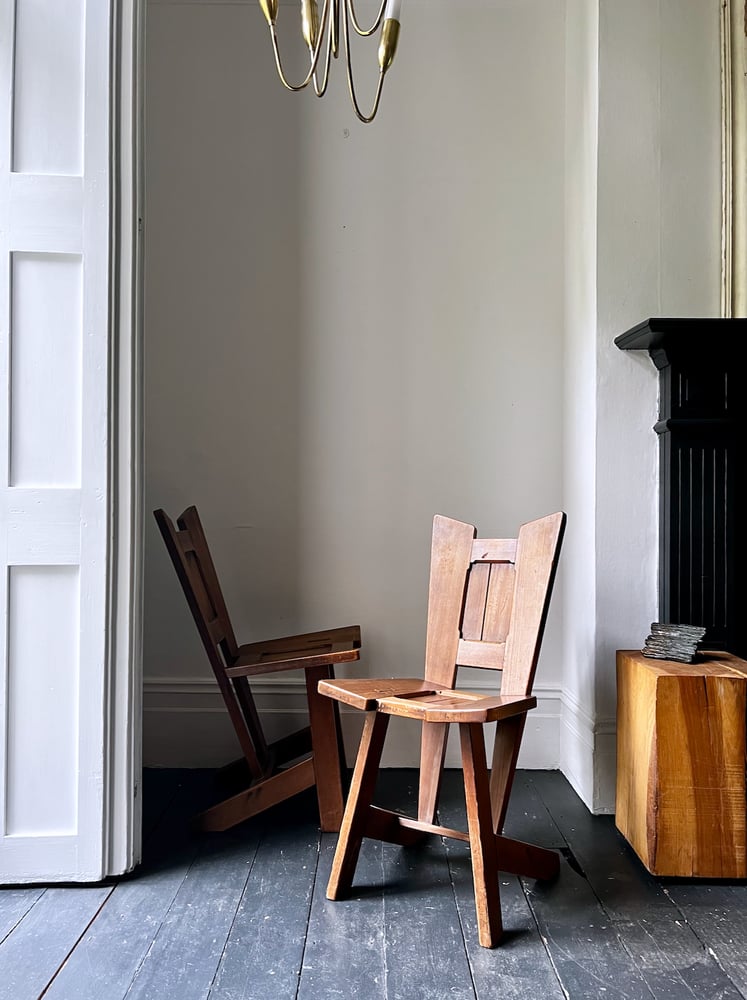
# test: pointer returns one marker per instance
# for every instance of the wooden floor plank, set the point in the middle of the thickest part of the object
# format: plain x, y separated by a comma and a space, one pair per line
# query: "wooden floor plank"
225, 916
528, 817
183, 958
160, 789
673, 968
520, 966
626, 890
717, 913
106, 959
588, 953
424, 945
345, 953
672, 960
264, 951
14, 905
39, 944
108, 956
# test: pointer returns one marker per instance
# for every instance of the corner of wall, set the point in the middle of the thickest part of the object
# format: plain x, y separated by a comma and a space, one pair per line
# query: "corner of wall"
588, 755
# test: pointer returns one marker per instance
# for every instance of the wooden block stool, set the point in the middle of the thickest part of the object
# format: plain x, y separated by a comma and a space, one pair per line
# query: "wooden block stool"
680, 797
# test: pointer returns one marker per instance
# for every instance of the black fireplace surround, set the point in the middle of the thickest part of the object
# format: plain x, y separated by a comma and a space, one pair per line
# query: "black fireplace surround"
703, 473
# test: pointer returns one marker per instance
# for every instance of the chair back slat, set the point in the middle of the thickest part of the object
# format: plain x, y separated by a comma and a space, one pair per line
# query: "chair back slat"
494, 550
487, 604
479, 653
537, 556
499, 602
451, 552
473, 618
205, 577
497, 590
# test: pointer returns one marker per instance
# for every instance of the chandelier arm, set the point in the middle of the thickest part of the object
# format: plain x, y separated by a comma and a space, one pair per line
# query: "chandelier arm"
351, 86
321, 90
279, 65
365, 32
314, 55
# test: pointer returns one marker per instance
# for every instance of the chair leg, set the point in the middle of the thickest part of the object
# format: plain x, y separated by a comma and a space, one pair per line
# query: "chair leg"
356, 809
481, 837
432, 754
326, 742
508, 735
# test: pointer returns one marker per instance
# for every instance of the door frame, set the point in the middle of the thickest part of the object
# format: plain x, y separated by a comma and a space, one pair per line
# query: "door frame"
123, 745
733, 157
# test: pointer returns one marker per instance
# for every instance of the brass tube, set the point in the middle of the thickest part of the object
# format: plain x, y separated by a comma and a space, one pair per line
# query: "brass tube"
388, 45
351, 85
367, 31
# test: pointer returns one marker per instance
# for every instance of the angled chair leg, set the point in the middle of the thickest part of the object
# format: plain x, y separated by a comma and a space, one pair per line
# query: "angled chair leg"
508, 735
432, 754
358, 803
482, 840
326, 742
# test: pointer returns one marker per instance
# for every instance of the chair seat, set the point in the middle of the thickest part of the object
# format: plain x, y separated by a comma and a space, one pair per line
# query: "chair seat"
455, 706
413, 698
365, 693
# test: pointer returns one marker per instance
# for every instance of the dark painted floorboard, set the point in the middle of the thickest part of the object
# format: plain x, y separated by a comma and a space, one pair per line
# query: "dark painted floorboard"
110, 953
31, 955
520, 967
263, 953
14, 905
673, 960
243, 915
424, 947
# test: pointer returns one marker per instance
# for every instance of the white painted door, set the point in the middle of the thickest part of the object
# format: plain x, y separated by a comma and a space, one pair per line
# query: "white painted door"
68, 740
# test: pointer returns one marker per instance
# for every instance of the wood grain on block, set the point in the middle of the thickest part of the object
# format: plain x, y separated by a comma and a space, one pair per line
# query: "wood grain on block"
680, 798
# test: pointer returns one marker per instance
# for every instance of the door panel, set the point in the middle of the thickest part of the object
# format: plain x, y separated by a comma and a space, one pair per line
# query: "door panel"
57, 446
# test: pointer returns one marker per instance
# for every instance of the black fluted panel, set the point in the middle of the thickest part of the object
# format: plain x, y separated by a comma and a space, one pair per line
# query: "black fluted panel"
703, 498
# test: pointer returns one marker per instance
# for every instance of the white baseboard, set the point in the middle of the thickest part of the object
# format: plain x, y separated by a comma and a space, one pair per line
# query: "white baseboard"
185, 725
588, 755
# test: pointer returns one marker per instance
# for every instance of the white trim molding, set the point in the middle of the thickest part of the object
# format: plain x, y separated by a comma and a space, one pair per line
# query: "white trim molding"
186, 725
588, 754
122, 813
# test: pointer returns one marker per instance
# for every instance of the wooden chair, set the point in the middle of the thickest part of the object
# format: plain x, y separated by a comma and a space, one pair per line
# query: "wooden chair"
272, 772
487, 606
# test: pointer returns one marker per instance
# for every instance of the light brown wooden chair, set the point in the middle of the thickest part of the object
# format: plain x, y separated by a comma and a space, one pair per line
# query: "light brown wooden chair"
275, 771
487, 605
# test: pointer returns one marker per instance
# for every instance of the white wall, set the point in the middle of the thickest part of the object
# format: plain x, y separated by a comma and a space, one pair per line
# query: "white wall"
658, 255
348, 329
655, 251
577, 740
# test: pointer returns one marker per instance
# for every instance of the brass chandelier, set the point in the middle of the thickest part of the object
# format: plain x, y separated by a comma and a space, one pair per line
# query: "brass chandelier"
322, 31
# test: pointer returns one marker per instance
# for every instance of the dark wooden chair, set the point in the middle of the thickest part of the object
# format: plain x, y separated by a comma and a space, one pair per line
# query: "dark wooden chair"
272, 771
487, 606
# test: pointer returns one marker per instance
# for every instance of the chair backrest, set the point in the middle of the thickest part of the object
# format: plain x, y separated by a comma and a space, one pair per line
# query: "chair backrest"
488, 600
194, 566
187, 545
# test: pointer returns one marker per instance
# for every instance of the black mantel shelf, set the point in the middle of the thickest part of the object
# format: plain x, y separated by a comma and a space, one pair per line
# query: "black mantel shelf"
660, 337
702, 432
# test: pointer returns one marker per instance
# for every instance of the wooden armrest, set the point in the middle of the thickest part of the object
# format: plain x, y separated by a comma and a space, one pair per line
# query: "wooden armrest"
311, 649
348, 637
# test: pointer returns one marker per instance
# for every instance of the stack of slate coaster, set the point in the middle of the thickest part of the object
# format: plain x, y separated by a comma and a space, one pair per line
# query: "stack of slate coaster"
673, 642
